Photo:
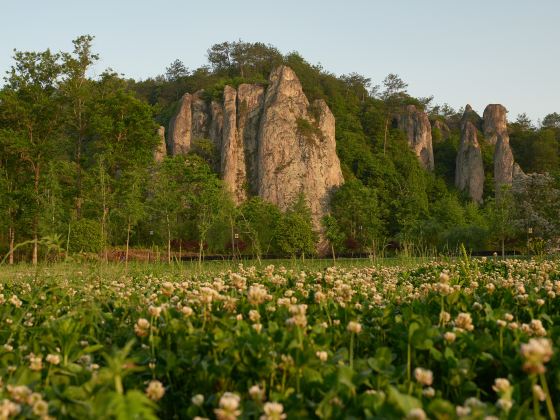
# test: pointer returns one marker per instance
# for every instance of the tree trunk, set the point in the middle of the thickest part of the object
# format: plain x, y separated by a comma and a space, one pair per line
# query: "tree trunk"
168, 239
503, 249
36, 216
333, 256
200, 245
12, 236
127, 242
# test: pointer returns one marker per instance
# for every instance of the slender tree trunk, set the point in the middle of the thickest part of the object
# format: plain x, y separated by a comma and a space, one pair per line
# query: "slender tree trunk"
12, 236
232, 240
127, 242
503, 249
36, 216
333, 256
168, 239
200, 245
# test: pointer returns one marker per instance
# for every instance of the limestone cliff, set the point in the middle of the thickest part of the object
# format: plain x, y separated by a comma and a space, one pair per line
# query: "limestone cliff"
469, 167
495, 132
418, 129
272, 143
297, 148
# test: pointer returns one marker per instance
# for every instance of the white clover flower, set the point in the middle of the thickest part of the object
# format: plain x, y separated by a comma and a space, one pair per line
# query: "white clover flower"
424, 376
155, 390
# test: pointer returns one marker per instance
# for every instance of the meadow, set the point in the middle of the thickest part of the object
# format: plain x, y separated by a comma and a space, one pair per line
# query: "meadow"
442, 339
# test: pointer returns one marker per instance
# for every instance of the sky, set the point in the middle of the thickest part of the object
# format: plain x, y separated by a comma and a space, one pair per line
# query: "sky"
476, 52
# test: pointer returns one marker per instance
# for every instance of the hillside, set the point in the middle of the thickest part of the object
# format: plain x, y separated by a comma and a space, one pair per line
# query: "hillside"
264, 154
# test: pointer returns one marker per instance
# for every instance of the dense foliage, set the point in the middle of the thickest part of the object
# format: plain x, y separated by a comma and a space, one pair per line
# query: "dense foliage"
75, 147
468, 339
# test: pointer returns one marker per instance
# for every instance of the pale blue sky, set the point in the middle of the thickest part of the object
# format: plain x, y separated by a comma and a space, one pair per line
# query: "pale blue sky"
473, 51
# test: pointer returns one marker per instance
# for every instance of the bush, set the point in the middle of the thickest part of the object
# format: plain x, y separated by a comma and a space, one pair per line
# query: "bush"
85, 236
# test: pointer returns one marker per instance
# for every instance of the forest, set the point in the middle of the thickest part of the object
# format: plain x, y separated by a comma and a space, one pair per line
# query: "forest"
78, 175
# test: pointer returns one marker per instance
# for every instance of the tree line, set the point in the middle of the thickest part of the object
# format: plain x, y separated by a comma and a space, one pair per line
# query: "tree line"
77, 172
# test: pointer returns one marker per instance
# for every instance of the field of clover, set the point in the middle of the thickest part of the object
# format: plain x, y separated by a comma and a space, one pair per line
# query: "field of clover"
472, 339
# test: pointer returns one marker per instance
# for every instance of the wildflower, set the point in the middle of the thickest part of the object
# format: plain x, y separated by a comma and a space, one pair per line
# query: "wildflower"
539, 393
424, 376
322, 355
429, 392
536, 353
155, 311
41, 408
444, 317
464, 322
273, 411
198, 400
462, 411
256, 393
35, 362
187, 311
19, 393
444, 277
504, 404
502, 386
299, 317
229, 407
155, 390
167, 288
508, 317
53, 359
14, 300
540, 302
416, 414
254, 315
257, 327
141, 328
9, 409
354, 327
257, 294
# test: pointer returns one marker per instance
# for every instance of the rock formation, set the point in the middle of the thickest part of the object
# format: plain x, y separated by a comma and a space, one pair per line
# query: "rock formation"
297, 148
272, 143
416, 125
469, 168
180, 127
161, 150
442, 129
495, 132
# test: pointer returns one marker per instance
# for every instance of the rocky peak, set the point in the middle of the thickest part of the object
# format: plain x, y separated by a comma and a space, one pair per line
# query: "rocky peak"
495, 132
495, 123
272, 142
416, 125
442, 129
469, 167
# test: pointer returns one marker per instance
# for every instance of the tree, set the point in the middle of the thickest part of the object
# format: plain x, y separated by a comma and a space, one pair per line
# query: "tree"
393, 94
551, 121
333, 233
294, 231
131, 208
31, 109
258, 221
168, 189
357, 214
77, 90
501, 212
176, 71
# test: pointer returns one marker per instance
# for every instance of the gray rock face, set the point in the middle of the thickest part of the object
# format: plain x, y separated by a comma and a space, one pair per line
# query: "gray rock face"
495, 132
180, 127
296, 151
271, 143
495, 123
469, 168
418, 129
161, 151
